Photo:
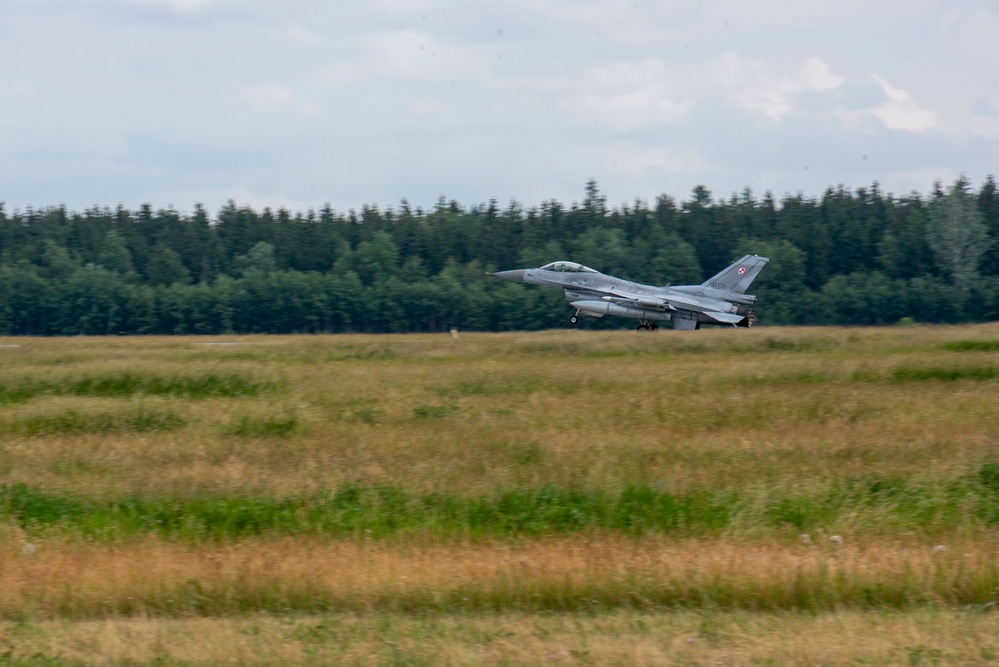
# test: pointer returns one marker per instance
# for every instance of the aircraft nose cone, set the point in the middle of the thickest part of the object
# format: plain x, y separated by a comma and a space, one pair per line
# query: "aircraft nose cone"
515, 275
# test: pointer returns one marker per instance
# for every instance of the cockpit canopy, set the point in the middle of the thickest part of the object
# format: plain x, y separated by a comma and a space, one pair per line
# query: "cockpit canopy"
566, 267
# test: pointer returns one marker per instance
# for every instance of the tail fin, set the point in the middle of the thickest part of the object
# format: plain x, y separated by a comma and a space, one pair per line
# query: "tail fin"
737, 277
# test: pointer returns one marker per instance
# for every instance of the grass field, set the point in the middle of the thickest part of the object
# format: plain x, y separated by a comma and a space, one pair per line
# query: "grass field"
573, 485
625, 639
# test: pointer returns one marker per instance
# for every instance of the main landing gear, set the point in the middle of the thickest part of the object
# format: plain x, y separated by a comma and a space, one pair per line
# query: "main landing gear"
648, 325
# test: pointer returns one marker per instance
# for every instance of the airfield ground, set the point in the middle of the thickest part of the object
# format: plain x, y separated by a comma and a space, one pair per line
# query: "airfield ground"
763, 496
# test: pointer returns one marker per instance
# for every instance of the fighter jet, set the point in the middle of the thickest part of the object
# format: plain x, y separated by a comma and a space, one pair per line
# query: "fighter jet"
720, 300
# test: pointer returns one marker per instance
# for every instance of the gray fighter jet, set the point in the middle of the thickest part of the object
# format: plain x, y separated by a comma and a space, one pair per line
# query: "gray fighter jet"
720, 300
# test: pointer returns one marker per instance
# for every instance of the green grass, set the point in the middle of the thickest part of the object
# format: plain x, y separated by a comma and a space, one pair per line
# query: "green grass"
972, 346
126, 383
934, 373
285, 425
79, 420
870, 505
433, 411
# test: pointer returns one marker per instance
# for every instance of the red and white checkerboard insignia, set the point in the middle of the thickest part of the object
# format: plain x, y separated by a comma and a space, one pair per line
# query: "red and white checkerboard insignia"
742, 270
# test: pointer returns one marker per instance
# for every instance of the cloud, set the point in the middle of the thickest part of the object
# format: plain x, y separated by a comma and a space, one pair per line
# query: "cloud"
16, 89
749, 85
271, 97
816, 75
976, 37
182, 7
635, 95
636, 160
901, 112
308, 101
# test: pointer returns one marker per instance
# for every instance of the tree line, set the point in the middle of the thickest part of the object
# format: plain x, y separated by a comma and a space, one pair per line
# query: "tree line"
848, 257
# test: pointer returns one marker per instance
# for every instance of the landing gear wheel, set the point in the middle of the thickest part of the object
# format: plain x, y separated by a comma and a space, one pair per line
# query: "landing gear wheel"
642, 327
574, 320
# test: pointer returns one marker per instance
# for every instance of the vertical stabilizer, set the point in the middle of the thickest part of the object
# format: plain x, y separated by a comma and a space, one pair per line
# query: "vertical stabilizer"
737, 277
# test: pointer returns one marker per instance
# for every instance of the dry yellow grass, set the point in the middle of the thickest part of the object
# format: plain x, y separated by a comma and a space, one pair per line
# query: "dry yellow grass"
582, 573
926, 637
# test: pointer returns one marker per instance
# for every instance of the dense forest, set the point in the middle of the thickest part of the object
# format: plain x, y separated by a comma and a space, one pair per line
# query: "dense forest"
847, 257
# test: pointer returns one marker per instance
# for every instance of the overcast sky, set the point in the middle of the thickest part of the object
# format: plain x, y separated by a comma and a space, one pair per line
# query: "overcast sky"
300, 103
